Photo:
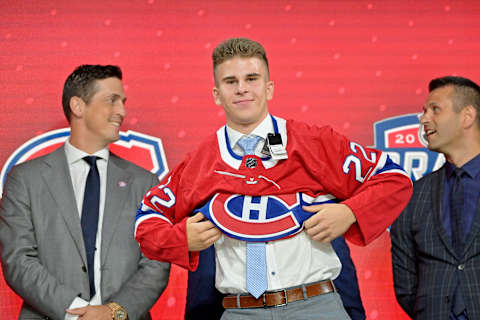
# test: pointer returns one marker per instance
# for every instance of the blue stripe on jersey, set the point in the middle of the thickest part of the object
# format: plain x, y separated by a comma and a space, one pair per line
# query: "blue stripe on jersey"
141, 213
389, 165
275, 126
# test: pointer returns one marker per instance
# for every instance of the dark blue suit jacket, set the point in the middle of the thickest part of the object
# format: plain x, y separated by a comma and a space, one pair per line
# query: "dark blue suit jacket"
426, 268
205, 302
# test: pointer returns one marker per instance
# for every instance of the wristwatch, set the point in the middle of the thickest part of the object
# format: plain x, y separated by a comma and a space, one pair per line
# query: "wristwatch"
118, 313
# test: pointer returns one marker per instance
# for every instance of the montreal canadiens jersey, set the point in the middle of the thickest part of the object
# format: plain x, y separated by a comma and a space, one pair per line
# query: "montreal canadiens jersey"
251, 198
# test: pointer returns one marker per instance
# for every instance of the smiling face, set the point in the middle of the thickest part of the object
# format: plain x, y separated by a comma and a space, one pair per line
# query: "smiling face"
96, 124
442, 123
243, 89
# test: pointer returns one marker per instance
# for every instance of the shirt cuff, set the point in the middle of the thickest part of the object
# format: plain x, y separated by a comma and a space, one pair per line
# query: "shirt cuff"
76, 303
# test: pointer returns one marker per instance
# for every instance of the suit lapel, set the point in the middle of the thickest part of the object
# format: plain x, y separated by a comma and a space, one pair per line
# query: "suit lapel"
118, 186
438, 183
474, 230
59, 183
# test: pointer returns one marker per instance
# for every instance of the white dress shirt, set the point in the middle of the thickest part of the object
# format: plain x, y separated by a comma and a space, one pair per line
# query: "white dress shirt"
290, 262
79, 169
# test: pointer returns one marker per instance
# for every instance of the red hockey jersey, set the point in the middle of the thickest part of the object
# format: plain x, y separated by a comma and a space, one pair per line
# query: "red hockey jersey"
322, 166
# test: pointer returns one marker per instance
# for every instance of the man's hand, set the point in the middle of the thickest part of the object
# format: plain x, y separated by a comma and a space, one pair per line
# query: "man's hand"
201, 233
330, 221
101, 312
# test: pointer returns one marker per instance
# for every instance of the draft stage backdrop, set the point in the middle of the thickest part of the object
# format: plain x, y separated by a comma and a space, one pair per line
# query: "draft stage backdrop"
349, 64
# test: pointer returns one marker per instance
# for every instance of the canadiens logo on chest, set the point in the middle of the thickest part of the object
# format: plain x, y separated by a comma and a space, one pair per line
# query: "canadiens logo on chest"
256, 218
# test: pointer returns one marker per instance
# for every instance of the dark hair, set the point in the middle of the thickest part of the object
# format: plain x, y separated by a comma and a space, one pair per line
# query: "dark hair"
466, 92
81, 83
242, 47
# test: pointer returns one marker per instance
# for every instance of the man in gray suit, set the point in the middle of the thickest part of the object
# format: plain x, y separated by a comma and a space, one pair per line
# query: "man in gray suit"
66, 225
436, 239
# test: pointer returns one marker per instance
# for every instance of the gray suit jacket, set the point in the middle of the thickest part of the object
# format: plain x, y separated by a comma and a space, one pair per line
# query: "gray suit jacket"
425, 266
41, 244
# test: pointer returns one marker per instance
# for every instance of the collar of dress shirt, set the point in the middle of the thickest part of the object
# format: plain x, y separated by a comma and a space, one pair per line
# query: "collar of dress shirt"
74, 154
472, 167
265, 127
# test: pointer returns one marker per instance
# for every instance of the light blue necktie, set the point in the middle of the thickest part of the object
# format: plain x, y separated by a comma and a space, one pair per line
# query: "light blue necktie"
256, 251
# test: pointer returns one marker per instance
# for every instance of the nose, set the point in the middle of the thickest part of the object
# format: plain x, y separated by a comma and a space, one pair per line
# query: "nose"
121, 109
423, 117
242, 87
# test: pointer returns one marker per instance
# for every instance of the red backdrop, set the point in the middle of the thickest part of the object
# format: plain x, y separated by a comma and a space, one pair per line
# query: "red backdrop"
344, 63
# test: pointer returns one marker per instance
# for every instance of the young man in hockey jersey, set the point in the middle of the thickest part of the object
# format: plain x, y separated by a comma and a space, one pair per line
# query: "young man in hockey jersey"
270, 194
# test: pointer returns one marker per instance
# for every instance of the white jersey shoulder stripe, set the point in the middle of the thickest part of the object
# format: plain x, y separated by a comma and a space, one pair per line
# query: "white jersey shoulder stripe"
147, 217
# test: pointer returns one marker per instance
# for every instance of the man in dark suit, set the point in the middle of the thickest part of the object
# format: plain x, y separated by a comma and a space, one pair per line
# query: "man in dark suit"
67, 218
205, 302
435, 241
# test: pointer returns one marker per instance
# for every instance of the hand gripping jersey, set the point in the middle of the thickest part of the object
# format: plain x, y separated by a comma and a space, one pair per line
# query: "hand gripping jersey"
254, 199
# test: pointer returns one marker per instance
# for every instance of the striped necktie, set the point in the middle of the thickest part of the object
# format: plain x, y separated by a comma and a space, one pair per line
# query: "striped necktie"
256, 251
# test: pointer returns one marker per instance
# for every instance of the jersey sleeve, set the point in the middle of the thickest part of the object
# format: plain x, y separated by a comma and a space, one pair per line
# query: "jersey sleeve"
160, 223
366, 180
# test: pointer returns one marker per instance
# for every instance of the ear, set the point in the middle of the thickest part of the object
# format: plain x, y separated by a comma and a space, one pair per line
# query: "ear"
269, 89
77, 106
469, 116
216, 96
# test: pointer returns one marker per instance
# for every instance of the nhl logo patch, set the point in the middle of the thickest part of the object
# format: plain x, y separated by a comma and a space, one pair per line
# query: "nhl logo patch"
251, 163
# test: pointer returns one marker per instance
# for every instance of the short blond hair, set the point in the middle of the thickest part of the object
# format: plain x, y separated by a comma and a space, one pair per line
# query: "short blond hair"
242, 47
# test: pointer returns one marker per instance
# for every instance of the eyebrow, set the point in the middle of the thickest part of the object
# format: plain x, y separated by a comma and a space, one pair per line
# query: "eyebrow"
229, 78
254, 74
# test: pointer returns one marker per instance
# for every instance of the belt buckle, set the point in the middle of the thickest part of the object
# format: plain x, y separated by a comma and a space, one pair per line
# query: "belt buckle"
285, 297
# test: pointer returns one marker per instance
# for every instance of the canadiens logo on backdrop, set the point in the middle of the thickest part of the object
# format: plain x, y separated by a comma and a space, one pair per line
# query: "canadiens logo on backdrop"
260, 218
403, 139
141, 149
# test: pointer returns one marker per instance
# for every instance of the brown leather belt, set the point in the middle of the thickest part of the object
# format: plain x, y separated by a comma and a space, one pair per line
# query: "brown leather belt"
280, 297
